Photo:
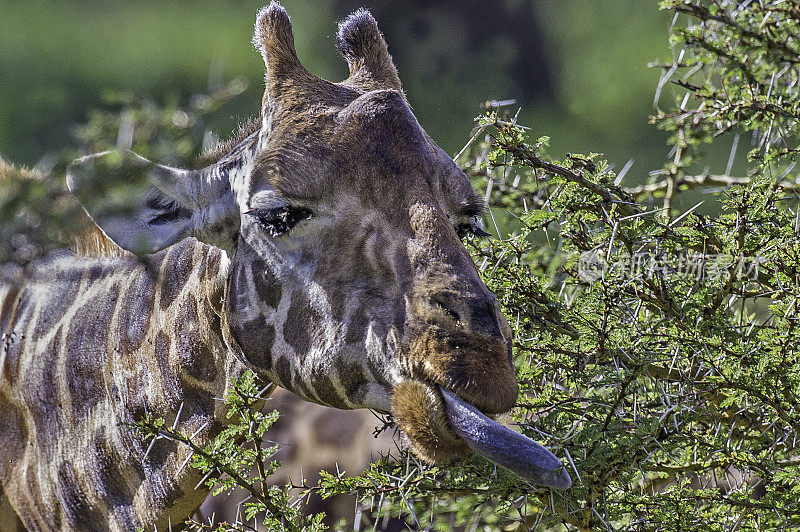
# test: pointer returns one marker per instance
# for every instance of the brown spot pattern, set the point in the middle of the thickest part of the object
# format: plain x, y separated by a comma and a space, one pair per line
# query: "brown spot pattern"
161, 352
256, 339
210, 271
161, 452
327, 393
196, 356
300, 387
197, 403
357, 328
135, 313
283, 371
87, 337
63, 292
268, 288
351, 375
81, 514
95, 273
45, 407
177, 272
300, 325
256, 336
106, 465
13, 436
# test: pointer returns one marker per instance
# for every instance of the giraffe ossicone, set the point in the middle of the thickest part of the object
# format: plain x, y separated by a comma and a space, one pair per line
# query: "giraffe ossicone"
321, 250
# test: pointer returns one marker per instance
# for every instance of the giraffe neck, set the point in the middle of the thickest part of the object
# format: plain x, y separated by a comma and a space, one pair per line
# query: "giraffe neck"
88, 346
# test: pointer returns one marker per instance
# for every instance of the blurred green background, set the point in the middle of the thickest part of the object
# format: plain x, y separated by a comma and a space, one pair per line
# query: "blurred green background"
578, 70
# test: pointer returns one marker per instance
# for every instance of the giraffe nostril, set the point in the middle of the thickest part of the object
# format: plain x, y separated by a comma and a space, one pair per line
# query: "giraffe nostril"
452, 314
483, 318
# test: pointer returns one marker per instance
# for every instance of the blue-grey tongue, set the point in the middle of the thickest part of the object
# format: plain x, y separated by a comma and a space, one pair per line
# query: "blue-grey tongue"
503, 446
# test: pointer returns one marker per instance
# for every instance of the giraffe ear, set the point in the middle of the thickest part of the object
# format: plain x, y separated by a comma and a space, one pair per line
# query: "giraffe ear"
360, 42
145, 207
285, 78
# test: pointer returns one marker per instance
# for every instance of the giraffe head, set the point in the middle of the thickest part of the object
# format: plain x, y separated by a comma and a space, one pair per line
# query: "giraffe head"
348, 282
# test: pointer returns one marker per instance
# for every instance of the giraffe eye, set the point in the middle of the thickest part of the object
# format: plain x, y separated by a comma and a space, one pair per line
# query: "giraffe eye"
471, 228
280, 220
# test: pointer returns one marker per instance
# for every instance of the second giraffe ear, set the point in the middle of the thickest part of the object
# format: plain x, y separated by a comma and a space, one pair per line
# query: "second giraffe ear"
144, 207
362, 45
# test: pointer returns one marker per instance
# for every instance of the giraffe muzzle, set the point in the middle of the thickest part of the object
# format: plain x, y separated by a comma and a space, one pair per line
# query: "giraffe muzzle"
473, 365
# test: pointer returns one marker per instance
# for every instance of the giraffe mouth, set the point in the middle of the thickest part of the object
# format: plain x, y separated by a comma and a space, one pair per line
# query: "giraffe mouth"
440, 425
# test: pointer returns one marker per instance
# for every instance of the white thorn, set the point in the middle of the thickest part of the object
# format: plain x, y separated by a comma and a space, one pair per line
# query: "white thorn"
150, 448
177, 417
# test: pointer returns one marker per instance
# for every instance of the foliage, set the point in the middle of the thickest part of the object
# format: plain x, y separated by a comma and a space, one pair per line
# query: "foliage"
656, 324
658, 344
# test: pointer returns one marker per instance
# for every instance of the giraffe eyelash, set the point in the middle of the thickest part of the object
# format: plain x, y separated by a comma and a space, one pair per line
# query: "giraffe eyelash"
280, 220
471, 228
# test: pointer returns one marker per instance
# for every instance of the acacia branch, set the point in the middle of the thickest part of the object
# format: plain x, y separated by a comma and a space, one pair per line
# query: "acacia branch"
524, 154
703, 13
703, 180
230, 471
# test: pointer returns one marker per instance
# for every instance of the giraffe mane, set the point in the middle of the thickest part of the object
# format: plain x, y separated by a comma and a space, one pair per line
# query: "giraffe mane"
9, 172
90, 241
214, 153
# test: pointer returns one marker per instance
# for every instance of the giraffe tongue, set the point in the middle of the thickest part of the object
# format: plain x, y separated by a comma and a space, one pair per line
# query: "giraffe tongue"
504, 446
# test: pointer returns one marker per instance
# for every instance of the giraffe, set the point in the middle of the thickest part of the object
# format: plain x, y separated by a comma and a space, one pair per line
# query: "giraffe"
320, 248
